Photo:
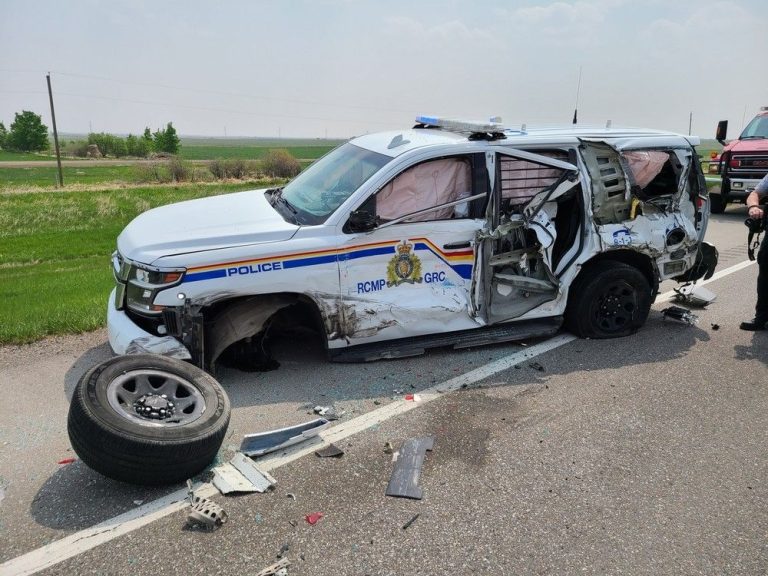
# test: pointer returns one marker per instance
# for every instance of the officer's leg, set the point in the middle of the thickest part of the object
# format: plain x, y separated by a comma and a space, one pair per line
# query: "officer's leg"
761, 308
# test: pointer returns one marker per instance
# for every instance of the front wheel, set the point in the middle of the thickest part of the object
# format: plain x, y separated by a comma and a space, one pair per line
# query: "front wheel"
608, 300
717, 203
147, 419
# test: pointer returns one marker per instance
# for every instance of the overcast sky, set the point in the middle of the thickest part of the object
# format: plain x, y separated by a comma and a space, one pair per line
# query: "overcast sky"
345, 67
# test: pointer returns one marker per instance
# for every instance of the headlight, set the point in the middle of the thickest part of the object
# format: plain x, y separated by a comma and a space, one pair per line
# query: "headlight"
144, 282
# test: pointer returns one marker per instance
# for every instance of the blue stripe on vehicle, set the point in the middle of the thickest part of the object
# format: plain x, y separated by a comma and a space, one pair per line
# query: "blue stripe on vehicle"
300, 262
367, 252
463, 270
197, 276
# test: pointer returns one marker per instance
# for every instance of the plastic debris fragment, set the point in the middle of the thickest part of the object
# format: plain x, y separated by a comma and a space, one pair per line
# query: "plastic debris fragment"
680, 314
66, 461
204, 512
279, 568
265, 442
313, 518
411, 521
413, 397
329, 412
404, 481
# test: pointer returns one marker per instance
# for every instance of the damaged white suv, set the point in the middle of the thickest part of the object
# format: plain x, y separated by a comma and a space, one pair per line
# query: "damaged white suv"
451, 233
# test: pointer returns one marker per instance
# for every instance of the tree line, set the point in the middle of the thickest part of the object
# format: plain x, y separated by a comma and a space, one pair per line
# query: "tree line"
28, 134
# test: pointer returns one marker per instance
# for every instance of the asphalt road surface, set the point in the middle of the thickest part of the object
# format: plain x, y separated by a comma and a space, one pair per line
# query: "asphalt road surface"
642, 455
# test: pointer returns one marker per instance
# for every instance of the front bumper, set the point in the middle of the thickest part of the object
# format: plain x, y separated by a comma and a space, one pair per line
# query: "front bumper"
125, 337
740, 188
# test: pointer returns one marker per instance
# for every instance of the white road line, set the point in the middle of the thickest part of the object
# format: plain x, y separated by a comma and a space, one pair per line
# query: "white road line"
89, 538
667, 296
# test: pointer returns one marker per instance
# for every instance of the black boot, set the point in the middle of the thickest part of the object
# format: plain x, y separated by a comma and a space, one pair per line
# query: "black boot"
754, 325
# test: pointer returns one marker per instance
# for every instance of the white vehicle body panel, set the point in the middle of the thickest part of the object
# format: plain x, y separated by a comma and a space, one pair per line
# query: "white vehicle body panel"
405, 279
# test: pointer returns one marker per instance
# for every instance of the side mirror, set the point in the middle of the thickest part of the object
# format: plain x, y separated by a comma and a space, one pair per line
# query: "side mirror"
722, 130
361, 221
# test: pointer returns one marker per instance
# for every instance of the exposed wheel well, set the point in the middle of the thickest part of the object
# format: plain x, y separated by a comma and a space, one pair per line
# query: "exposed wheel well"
250, 318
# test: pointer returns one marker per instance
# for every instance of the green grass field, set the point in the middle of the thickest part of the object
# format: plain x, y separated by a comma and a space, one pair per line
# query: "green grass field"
6, 156
55, 271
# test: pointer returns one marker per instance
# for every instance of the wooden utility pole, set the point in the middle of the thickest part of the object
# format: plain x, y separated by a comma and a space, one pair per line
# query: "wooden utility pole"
55, 132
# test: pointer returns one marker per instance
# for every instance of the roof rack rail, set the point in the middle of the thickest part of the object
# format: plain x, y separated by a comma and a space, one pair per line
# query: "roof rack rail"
491, 130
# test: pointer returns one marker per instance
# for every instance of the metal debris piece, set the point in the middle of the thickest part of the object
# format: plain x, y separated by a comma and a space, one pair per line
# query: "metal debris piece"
279, 568
694, 295
265, 442
329, 412
241, 475
388, 448
313, 518
204, 512
404, 482
330, 451
680, 314
291, 495
411, 521
536, 366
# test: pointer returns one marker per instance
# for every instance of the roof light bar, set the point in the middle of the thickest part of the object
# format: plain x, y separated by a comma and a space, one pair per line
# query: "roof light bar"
454, 125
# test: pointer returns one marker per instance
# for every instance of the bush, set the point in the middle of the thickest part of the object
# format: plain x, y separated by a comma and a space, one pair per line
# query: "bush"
138, 147
109, 144
155, 172
233, 168
179, 170
280, 163
76, 148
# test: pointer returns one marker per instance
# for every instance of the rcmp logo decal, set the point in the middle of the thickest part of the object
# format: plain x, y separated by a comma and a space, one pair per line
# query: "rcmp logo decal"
404, 267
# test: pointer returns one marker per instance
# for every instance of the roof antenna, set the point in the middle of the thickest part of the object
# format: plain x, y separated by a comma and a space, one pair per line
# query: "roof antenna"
576, 106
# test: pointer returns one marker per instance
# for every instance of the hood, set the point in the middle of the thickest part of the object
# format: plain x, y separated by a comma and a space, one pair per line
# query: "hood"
205, 224
745, 146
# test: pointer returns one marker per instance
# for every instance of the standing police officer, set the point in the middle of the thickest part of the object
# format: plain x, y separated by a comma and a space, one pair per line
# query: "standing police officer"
761, 308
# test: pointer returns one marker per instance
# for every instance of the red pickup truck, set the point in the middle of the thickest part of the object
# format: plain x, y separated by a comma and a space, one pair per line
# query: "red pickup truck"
743, 162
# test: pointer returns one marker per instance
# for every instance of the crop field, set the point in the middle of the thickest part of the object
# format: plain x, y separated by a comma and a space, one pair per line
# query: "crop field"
251, 151
55, 272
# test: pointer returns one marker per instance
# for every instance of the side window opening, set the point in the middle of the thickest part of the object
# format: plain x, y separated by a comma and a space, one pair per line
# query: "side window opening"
427, 185
521, 180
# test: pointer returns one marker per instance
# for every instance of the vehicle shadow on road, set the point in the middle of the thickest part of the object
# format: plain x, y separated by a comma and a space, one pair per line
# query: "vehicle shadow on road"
75, 497
85, 362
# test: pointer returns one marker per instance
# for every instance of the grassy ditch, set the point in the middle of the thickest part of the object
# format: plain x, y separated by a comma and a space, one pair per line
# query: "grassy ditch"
55, 271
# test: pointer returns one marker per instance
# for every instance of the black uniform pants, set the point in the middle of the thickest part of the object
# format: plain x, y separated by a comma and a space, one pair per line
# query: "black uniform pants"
761, 309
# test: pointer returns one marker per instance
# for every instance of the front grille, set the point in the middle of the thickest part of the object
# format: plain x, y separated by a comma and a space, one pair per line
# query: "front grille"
750, 163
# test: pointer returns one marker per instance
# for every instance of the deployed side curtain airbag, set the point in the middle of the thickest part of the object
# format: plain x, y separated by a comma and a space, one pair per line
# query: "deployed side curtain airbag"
423, 186
645, 164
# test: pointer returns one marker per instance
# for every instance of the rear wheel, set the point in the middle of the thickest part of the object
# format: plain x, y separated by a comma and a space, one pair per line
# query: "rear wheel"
147, 419
608, 300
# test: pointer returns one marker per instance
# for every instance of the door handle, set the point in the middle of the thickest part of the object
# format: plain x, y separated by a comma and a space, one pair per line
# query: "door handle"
455, 245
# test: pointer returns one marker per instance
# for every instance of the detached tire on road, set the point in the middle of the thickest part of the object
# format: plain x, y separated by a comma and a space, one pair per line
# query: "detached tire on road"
147, 419
609, 299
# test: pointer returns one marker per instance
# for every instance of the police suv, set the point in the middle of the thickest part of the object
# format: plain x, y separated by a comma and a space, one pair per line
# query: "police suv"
450, 233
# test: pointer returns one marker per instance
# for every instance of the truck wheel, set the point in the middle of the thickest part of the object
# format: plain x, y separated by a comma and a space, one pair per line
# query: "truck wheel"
717, 204
608, 300
147, 419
